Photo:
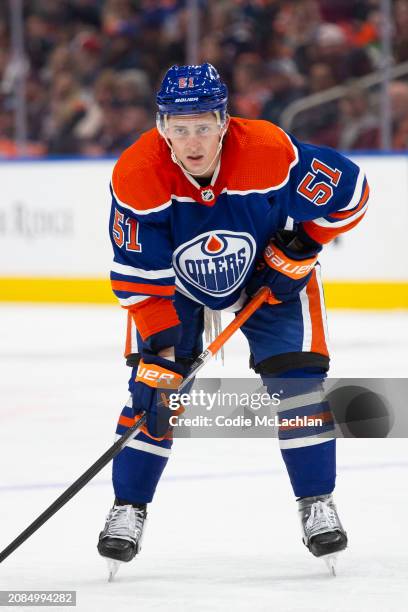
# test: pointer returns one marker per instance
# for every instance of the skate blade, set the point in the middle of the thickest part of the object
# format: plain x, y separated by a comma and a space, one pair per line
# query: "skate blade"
331, 563
113, 567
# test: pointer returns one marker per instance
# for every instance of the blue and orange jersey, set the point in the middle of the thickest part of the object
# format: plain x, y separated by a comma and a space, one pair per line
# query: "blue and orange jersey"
171, 233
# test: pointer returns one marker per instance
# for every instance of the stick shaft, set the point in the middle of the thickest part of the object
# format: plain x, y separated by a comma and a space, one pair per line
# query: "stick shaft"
222, 338
72, 490
239, 320
115, 449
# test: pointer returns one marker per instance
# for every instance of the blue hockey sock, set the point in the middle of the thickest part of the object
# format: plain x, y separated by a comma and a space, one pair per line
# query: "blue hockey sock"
137, 469
309, 458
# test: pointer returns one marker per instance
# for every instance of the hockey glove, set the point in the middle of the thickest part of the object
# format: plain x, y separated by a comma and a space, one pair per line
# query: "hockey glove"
151, 385
286, 267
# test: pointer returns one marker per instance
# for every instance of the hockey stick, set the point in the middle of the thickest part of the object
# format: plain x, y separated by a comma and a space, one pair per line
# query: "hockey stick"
72, 490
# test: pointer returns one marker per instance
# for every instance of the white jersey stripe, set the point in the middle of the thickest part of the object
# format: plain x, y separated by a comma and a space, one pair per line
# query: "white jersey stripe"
357, 192
151, 274
182, 198
322, 222
233, 308
133, 299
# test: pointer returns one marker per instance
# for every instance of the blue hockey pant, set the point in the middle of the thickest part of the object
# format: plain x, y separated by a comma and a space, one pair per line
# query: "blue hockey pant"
286, 340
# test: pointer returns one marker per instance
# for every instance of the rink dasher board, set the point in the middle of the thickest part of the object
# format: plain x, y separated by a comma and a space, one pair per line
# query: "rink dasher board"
55, 246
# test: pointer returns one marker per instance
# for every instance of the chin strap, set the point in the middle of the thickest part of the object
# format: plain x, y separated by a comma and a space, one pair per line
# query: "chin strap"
182, 166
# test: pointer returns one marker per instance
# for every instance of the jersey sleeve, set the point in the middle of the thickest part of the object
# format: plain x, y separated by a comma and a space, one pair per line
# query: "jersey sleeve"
142, 275
327, 193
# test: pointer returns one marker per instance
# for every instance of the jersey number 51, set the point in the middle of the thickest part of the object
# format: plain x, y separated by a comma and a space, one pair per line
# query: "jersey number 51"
128, 229
319, 192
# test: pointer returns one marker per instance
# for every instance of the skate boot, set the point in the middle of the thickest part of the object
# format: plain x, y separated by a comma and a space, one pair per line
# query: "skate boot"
121, 538
322, 530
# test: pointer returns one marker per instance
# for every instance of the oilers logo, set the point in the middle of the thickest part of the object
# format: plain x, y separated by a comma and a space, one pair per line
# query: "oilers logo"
215, 262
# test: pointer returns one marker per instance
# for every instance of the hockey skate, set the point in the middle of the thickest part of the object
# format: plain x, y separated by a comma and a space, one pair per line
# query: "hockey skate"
121, 538
322, 530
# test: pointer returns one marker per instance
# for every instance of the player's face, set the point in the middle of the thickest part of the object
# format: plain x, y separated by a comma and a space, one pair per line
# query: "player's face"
195, 140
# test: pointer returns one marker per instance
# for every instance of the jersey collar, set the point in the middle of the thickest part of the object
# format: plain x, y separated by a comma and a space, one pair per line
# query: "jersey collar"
207, 194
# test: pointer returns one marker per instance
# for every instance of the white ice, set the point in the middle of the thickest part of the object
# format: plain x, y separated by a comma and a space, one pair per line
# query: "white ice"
223, 531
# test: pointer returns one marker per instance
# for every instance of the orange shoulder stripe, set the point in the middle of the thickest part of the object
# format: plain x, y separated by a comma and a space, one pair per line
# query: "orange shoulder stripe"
326, 234
350, 213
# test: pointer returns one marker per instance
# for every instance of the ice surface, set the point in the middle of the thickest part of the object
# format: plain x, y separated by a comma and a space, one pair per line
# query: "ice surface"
223, 532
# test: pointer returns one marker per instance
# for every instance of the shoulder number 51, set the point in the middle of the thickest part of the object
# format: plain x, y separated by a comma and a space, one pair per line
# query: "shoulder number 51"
319, 192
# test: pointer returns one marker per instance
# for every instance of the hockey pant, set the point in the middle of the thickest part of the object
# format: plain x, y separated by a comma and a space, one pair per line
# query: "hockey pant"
286, 340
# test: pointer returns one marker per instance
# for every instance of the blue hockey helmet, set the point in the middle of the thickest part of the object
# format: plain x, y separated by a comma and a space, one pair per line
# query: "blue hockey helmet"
191, 90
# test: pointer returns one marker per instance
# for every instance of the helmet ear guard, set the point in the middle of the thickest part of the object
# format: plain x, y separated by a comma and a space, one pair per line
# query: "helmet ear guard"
161, 123
222, 118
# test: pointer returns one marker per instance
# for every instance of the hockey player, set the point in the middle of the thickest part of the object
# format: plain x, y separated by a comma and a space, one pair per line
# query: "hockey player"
197, 203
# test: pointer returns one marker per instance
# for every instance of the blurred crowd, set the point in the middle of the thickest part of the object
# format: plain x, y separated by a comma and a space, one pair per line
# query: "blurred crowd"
93, 67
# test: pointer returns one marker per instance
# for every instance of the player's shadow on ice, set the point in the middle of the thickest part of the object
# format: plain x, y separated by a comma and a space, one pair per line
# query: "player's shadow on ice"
270, 579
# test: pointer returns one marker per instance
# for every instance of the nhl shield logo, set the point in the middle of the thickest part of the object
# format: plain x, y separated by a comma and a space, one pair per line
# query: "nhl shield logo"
207, 195
215, 262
